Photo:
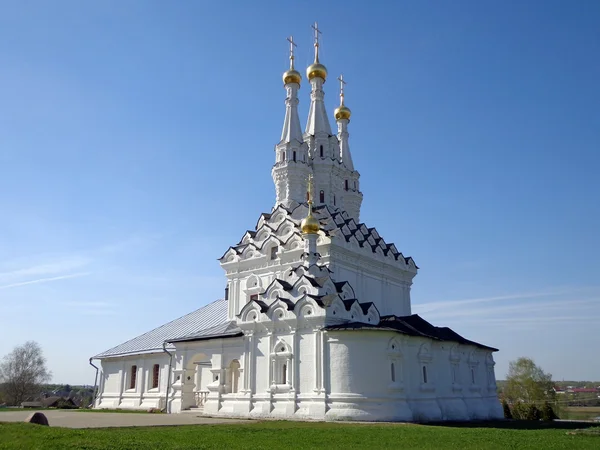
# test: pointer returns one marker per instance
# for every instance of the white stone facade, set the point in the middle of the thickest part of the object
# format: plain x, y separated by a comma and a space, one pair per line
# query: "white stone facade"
313, 326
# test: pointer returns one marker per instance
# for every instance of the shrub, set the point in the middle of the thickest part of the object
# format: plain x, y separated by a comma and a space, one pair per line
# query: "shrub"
506, 408
63, 404
533, 413
548, 413
523, 411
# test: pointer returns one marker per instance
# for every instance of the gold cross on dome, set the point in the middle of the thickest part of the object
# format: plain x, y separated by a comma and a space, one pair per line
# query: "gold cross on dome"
342, 83
315, 27
292, 45
309, 188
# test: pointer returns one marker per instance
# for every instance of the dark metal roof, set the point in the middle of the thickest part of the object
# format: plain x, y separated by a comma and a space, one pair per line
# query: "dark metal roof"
413, 325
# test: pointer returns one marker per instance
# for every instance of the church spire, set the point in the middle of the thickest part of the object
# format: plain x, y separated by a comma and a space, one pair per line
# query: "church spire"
342, 116
317, 73
291, 80
291, 153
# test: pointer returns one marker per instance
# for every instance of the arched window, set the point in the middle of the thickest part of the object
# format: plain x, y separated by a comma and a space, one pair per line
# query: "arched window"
393, 369
321, 151
282, 369
155, 375
346, 184
334, 200
233, 373
424, 374
472, 375
322, 196
294, 156
133, 377
282, 156
274, 252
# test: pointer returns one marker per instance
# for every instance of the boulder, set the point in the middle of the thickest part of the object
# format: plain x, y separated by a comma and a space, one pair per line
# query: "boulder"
37, 418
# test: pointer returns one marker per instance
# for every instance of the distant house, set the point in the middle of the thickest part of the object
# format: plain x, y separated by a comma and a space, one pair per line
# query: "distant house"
56, 402
583, 390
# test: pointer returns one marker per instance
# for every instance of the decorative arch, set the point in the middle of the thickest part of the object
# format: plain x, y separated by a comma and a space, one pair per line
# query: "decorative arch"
425, 352
455, 356
395, 364
356, 313
274, 294
233, 377
250, 252
253, 282
425, 357
306, 308
278, 314
394, 346
250, 313
281, 366
338, 309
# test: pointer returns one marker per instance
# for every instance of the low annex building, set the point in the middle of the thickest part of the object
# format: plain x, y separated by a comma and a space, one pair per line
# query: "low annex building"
316, 321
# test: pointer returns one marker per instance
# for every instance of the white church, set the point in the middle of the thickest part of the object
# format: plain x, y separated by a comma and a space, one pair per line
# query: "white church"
316, 320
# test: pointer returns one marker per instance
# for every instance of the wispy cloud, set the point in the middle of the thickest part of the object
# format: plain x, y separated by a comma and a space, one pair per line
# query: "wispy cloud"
45, 280
520, 308
59, 266
450, 304
38, 269
519, 311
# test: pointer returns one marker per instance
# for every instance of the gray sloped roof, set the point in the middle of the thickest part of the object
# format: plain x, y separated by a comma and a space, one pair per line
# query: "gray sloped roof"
210, 316
227, 329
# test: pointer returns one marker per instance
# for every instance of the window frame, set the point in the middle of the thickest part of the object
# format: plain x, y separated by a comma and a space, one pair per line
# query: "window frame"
133, 377
155, 381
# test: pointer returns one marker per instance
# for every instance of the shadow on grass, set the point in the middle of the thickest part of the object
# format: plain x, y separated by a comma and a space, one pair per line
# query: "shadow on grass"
519, 424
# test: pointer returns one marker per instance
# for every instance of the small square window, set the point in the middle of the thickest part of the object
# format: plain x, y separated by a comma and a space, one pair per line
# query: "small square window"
254, 297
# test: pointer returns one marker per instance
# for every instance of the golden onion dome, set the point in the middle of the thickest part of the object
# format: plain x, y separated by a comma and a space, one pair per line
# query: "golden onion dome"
342, 112
310, 225
316, 70
292, 76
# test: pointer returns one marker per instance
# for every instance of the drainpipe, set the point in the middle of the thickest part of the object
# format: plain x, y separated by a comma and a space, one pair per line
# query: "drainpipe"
168, 376
95, 383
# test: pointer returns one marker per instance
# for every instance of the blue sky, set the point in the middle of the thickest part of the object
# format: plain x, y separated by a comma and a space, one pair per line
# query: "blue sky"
136, 143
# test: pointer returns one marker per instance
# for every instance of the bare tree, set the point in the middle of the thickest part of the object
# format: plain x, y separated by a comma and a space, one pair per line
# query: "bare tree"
22, 372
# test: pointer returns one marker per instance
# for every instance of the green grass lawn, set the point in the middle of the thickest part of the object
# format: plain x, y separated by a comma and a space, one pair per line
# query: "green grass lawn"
276, 435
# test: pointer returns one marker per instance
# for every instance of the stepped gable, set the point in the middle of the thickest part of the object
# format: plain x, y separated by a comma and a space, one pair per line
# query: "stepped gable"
413, 325
337, 224
276, 228
312, 286
281, 227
